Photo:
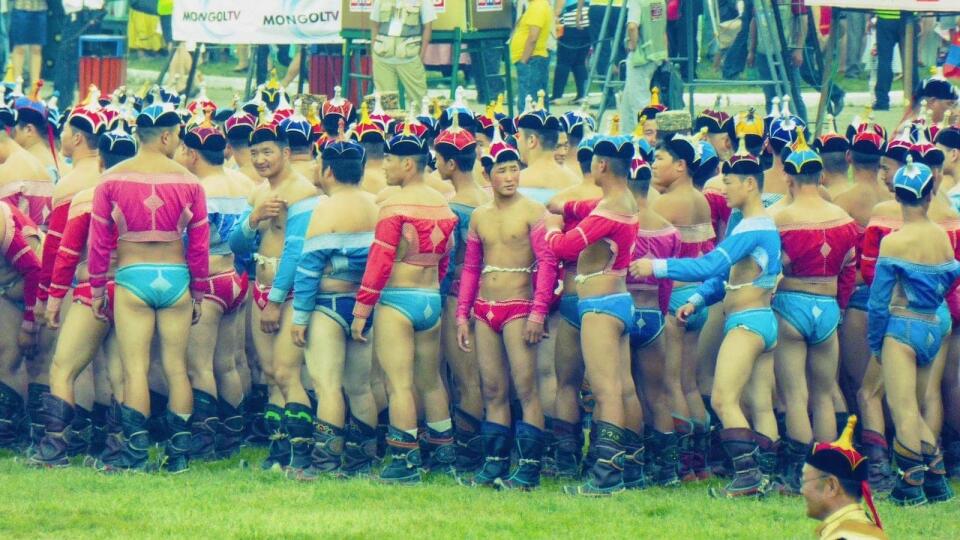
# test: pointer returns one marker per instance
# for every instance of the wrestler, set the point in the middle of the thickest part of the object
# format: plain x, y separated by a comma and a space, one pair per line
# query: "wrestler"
680, 203
818, 240
300, 138
19, 274
657, 238
916, 264
34, 133
216, 426
781, 132
543, 177
939, 95
408, 260
272, 230
148, 214
371, 137
948, 141
424, 128
721, 130
745, 267
647, 119
834, 151
577, 125
82, 334
505, 247
79, 143
603, 243
238, 129
834, 484
335, 251
456, 152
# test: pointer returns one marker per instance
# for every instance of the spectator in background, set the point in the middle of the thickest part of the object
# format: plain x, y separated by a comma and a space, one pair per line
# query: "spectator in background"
81, 17
401, 32
647, 46
28, 34
677, 32
891, 31
143, 31
602, 48
4, 34
528, 50
573, 45
855, 27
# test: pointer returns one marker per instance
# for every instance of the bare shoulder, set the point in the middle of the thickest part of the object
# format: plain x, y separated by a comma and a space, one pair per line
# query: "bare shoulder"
534, 210
890, 208
83, 196
240, 183
259, 193
385, 194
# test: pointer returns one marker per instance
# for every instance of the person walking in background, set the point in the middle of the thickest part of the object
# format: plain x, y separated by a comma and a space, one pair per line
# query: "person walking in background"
401, 30
891, 31
528, 50
573, 45
647, 46
28, 33
143, 31
855, 26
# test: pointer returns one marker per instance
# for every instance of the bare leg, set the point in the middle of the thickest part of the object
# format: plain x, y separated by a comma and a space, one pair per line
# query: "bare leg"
901, 378
951, 384
80, 338
569, 369
172, 324
708, 346
689, 363
426, 373
931, 399
870, 398
547, 371
356, 382
287, 360
523, 370
263, 344
822, 364
854, 352
601, 338
758, 397
649, 375
493, 375
738, 354
135, 323
466, 374
325, 355
790, 361
200, 349
393, 341
225, 365
674, 334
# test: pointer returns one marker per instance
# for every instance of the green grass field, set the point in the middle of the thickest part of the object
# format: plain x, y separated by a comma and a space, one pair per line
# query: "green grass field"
226, 500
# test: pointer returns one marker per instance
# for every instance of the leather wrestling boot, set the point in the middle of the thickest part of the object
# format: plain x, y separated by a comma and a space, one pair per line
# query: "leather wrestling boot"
908, 490
11, 418
466, 433
748, 481
278, 451
496, 454
935, 484
98, 432
442, 451
57, 417
80, 432
404, 465
229, 430
176, 451
135, 443
35, 393
606, 476
633, 461
328, 441
667, 456
548, 467
793, 455
880, 475
298, 424
204, 423
569, 448
530, 446
360, 449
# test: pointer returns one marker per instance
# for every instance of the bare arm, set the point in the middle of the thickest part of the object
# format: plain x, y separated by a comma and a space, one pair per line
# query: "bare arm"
530, 44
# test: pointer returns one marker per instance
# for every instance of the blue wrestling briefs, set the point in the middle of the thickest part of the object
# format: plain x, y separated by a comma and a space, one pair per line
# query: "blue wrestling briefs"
337, 306
815, 316
569, 311
619, 306
923, 336
157, 285
760, 321
678, 298
647, 327
860, 297
421, 306
946, 321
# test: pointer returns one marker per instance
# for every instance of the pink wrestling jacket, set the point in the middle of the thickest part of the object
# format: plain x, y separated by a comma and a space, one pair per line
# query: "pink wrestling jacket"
660, 244
619, 231
139, 207
822, 251
18, 254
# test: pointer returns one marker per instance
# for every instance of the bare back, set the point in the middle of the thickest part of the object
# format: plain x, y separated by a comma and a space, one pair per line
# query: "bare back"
547, 174
860, 198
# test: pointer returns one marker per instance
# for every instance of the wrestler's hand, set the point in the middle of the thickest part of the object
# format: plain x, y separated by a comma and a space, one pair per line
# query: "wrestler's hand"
463, 337
270, 318
268, 209
40, 313
27, 342
99, 307
51, 317
684, 312
641, 268
197, 311
299, 334
533, 332
356, 329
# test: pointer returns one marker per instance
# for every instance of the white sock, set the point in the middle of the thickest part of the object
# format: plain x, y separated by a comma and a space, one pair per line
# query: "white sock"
185, 417
411, 432
441, 426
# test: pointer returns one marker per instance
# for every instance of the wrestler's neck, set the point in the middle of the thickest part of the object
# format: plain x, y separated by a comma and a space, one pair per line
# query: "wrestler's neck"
301, 156
413, 179
338, 189
683, 182
775, 177
8, 147
830, 179
241, 158
206, 170
915, 214
752, 206
85, 157
805, 192
867, 177
611, 186
540, 159
463, 182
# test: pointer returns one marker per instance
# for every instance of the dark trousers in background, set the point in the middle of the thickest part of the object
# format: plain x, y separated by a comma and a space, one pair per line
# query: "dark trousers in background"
572, 50
677, 36
596, 14
856, 29
735, 60
890, 32
531, 78
485, 60
66, 70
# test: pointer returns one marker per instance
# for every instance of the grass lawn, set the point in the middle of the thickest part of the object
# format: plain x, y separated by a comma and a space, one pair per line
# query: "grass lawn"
225, 500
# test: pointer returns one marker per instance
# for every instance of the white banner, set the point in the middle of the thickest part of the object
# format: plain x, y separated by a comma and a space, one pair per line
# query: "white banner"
257, 21
899, 5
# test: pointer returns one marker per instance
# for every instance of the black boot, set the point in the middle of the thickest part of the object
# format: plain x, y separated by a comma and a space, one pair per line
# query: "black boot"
908, 490
569, 448
951, 452
360, 450
442, 451
383, 425
52, 451
530, 447
98, 429
404, 466
81, 430
253, 409
278, 454
741, 445
879, 474
298, 425
134, 443
204, 424
935, 485
466, 432
768, 456
327, 453
633, 461
155, 422
176, 451
606, 475
549, 467
11, 418
114, 442
230, 430
35, 394
683, 427
667, 457
701, 450
496, 454
793, 455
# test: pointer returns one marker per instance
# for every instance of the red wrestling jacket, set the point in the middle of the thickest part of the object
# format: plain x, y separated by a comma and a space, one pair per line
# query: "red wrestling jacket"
428, 231
822, 252
19, 255
660, 244
619, 231
719, 211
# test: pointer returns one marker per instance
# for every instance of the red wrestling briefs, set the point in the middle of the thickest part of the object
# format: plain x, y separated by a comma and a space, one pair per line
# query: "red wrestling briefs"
719, 211
261, 295
496, 314
228, 290
83, 294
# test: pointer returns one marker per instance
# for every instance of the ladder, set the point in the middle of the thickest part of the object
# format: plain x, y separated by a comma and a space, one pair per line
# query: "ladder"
609, 87
770, 31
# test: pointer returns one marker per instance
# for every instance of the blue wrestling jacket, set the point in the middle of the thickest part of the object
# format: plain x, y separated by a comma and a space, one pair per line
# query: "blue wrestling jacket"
463, 213
298, 217
736, 216
757, 238
924, 286
224, 215
346, 255
539, 194
244, 242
